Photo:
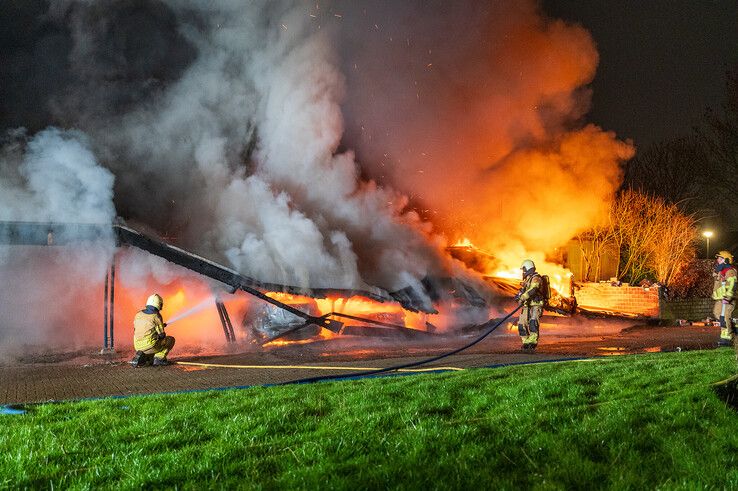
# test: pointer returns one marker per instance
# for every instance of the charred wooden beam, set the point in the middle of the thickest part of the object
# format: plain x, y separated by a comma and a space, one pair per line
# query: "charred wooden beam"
367, 321
386, 332
288, 332
48, 234
228, 276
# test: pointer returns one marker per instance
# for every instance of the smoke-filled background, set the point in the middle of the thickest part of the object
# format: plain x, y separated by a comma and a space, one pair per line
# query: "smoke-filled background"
322, 144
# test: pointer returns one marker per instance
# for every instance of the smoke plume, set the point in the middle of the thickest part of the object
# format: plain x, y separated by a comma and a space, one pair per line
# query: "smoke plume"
53, 176
323, 144
476, 113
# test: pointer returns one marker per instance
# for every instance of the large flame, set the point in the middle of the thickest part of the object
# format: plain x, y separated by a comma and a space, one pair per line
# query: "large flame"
508, 264
465, 242
387, 312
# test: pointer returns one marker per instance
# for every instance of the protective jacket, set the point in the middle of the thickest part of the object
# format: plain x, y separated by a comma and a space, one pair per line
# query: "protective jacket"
531, 291
724, 287
148, 328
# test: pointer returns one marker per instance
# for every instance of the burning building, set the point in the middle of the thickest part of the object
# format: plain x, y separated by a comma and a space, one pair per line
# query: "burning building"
325, 147
283, 310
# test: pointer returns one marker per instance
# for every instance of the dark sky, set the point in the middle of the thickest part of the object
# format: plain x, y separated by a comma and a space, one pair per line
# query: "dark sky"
661, 62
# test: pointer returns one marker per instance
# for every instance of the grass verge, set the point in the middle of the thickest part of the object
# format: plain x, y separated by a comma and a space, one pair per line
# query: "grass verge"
625, 422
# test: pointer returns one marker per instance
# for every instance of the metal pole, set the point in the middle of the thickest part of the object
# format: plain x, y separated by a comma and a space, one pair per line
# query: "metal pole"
112, 304
218, 305
232, 334
105, 313
708, 247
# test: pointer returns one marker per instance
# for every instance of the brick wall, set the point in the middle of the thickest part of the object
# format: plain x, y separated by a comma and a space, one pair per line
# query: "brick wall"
628, 299
691, 309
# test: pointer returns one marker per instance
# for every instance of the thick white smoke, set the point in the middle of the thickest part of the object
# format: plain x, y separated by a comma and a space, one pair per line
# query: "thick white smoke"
238, 157
222, 124
54, 177
294, 211
50, 297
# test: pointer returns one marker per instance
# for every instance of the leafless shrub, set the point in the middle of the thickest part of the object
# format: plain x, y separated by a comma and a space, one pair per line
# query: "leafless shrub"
654, 238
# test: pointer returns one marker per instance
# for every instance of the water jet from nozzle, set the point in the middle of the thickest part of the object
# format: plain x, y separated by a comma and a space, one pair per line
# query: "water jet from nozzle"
194, 310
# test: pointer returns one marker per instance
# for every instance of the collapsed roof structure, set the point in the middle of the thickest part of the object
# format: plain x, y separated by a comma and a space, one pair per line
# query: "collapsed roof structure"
15, 233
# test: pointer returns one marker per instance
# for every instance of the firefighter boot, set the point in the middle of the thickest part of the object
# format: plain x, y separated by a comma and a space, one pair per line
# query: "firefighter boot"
726, 337
530, 342
139, 359
533, 338
523, 333
161, 362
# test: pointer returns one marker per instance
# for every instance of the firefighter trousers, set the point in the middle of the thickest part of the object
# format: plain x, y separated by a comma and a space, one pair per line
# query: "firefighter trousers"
161, 348
528, 324
726, 318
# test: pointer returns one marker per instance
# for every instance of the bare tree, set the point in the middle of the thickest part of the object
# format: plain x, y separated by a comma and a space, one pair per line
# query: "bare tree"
632, 232
719, 138
674, 170
653, 237
675, 243
594, 243
699, 172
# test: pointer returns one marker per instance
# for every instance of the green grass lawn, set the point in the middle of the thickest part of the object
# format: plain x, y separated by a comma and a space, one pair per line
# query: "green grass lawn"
625, 422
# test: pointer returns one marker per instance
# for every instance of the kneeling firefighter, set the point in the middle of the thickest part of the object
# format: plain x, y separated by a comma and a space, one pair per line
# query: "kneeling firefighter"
531, 298
149, 339
723, 293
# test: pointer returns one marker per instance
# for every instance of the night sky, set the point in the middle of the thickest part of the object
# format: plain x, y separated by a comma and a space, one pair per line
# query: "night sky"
662, 63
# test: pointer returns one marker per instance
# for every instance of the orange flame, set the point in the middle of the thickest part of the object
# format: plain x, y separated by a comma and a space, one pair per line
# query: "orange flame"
465, 242
389, 312
559, 277
323, 335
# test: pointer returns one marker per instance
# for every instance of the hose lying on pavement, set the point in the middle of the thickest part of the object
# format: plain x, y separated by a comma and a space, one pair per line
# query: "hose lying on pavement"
407, 365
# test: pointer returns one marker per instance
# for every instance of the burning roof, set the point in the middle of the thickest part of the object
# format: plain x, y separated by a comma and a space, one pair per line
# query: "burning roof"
30, 233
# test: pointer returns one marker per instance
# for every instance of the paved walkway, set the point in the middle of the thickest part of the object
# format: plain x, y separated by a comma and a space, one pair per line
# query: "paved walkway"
79, 376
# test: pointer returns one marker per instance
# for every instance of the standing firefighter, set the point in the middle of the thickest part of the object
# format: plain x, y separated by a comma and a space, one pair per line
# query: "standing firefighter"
724, 295
531, 297
148, 334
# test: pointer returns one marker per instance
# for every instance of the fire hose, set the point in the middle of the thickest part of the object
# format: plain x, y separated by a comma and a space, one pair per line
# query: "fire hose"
407, 365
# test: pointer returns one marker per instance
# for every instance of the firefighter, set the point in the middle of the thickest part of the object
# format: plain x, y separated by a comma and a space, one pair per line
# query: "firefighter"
148, 335
531, 298
724, 295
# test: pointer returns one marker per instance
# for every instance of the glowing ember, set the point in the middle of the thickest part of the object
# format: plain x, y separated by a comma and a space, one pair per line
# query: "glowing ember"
323, 335
389, 312
465, 242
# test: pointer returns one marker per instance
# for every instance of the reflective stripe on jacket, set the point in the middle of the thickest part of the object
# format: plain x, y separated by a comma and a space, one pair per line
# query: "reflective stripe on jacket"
146, 330
724, 288
532, 294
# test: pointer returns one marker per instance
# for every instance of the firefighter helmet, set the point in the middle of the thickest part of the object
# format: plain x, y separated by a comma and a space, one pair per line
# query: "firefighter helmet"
725, 255
527, 265
155, 301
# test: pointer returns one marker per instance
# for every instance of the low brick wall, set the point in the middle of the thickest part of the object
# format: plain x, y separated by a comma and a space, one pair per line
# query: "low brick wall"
628, 299
691, 309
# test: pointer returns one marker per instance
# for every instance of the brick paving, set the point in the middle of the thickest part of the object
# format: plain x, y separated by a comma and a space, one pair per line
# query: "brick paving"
80, 377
